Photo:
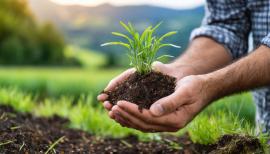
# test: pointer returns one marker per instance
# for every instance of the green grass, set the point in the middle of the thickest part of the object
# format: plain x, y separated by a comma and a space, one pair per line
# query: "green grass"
230, 115
222, 117
51, 148
54, 82
142, 48
82, 115
87, 58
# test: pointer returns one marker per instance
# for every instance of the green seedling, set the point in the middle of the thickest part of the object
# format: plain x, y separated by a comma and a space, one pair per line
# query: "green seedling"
7, 142
22, 146
54, 144
126, 143
15, 127
173, 144
142, 48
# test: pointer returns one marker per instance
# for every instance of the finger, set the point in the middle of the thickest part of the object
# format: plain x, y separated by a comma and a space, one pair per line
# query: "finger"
107, 105
123, 76
169, 104
146, 115
121, 121
139, 124
158, 66
116, 113
111, 115
102, 97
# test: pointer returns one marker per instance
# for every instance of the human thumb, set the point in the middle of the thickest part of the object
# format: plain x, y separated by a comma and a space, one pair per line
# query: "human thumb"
157, 66
166, 105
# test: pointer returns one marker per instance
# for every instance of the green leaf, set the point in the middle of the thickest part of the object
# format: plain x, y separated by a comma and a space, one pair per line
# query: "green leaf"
154, 29
167, 35
132, 29
145, 33
123, 35
164, 56
169, 45
116, 43
125, 26
137, 36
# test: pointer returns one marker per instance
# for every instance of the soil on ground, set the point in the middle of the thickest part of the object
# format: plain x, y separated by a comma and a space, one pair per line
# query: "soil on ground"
143, 90
24, 133
237, 144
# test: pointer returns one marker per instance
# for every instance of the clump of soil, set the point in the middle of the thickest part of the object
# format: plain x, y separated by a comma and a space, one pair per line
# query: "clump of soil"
238, 144
143, 90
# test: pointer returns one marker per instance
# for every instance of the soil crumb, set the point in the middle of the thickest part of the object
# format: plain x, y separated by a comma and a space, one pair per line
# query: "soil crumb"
143, 90
237, 144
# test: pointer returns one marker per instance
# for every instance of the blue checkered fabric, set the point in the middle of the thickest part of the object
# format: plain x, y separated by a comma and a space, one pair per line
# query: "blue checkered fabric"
229, 22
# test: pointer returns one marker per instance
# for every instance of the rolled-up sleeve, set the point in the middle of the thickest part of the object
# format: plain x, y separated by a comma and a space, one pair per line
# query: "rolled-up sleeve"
266, 40
226, 22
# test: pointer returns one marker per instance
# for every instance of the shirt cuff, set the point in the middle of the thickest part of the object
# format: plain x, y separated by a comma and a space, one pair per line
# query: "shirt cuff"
236, 46
266, 40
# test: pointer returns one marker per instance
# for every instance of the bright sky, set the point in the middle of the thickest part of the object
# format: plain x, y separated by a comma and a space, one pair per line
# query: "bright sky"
176, 4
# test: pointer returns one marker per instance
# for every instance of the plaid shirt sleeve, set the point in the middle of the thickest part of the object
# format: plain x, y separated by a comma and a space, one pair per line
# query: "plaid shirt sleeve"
266, 40
227, 23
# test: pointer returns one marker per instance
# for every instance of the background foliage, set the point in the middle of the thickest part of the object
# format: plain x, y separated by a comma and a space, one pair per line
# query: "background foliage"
88, 27
23, 41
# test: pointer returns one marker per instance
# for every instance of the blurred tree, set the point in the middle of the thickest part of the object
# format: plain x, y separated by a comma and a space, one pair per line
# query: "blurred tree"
51, 43
12, 51
23, 41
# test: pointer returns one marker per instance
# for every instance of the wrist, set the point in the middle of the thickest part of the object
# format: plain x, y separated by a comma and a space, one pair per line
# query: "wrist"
213, 86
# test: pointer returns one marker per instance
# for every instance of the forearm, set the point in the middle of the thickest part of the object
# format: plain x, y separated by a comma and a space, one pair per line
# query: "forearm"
250, 72
203, 56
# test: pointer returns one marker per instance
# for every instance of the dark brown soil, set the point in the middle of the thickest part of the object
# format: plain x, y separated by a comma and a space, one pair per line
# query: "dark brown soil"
143, 90
238, 144
23, 133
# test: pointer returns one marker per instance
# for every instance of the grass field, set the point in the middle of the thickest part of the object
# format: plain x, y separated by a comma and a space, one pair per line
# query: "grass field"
53, 82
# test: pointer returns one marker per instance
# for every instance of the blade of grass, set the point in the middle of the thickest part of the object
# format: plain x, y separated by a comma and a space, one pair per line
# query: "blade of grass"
22, 146
126, 143
54, 144
15, 127
7, 142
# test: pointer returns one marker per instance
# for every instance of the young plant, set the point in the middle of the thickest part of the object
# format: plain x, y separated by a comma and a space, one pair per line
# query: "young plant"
142, 48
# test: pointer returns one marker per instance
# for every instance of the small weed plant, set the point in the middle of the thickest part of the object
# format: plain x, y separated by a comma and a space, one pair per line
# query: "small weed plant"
142, 48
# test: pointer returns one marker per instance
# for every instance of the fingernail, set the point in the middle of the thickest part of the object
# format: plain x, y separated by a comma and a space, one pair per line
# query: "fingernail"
106, 104
157, 109
114, 108
102, 96
106, 88
120, 103
155, 65
99, 97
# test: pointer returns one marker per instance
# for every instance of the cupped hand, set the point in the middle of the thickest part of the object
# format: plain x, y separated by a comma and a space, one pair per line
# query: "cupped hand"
168, 114
168, 69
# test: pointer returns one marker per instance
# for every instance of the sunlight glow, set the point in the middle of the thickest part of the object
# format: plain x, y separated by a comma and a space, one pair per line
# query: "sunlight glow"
175, 4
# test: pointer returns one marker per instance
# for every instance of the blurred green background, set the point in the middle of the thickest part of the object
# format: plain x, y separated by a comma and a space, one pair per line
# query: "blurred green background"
51, 49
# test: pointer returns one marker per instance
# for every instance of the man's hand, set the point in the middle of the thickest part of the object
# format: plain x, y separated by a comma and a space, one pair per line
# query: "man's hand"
127, 113
168, 114
177, 71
